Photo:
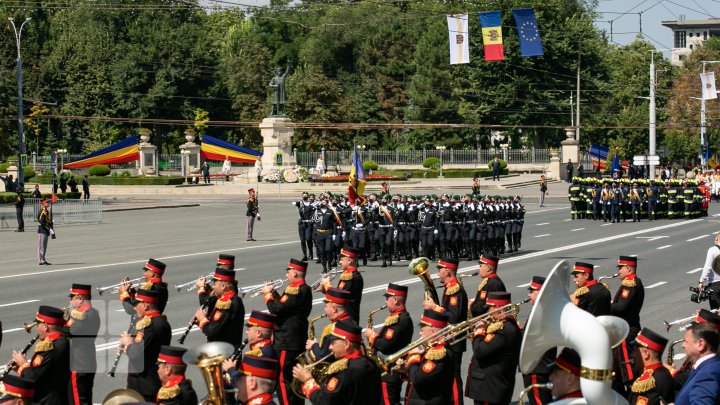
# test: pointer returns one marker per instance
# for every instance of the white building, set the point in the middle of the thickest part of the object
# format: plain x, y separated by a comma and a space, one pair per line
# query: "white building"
688, 34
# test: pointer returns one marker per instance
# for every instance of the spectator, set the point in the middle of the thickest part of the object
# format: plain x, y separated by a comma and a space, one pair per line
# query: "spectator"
543, 189
258, 169
703, 386
86, 188
206, 172
569, 168
63, 183
496, 169
54, 184
9, 184
227, 168
581, 170
73, 185
36, 193
320, 166
475, 186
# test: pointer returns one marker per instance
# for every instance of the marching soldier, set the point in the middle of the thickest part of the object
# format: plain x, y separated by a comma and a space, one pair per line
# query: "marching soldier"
590, 295
306, 209
541, 373
490, 283
291, 309
153, 272
350, 280
574, 197
565, 378
336, 302
49, 366
325, 223
352, 378
386, 217
636, 200
143, 343
175, 390
224, 322
431, 373
626, 304
16, 390
496, 352
655, 384
427, 216
257, 380
82, 328
395, 334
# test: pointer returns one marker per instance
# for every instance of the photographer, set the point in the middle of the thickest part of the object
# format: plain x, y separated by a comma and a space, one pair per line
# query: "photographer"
711, 274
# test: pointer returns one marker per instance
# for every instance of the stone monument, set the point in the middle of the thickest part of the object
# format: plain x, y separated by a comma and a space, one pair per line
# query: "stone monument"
276, 130
191, 151
148, 163
570, 150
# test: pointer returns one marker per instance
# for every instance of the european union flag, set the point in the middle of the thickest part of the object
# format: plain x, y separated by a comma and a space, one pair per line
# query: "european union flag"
528, 32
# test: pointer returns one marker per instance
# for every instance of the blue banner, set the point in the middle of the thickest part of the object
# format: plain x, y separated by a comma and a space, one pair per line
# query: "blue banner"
528, 32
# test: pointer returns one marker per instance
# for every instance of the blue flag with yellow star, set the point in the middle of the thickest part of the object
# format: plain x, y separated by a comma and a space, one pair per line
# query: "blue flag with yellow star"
528, 32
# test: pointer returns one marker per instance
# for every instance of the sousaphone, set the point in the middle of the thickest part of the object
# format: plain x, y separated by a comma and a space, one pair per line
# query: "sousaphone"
209, 358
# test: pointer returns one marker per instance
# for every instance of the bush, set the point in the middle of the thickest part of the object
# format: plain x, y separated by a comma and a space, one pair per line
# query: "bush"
28, 173
125, 181
99, 170
369, 165
4, 167
7, 198
431, 163
503, 165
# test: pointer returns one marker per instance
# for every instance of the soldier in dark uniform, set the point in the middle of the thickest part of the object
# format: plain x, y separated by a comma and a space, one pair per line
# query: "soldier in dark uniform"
655, 384
305, 225
225, 322
258, 334
454, 304
574, 197
143, 343
652, 193
427, 216
590, 295
626, 304
396, 333
431, 373
636, 201
496, 352
153, 272
565, 377
175, 390
19, 205
16, 390
257, 380
325, 223
336, 302
490, 283
386, 217
291, 309
413, 228
541, 373
82, 328
252, 211
350, 280
49, 366
352, 379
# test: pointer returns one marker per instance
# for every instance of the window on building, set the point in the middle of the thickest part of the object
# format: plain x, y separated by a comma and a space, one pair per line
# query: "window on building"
704, 35
714, 33
690, 35
680, 41
691, 47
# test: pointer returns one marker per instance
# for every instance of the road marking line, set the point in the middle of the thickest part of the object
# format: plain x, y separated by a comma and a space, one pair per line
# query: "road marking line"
540, 236
567, 220
18, 303
544, 223
579, 229
547, 210
699, 237
664, 247
658, 284
715, 233
524, 285
607, 224
694, 270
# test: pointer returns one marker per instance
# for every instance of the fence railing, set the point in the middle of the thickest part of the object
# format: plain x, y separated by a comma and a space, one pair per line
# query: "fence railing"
65, 212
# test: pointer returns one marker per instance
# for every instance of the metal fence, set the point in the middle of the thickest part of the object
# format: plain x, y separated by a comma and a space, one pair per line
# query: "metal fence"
416, 157
65, 212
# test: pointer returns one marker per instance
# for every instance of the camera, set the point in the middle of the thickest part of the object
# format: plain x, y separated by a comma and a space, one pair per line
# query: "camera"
699, 295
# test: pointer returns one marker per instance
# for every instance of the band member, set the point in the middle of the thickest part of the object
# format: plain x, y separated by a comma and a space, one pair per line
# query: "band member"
541, 373
251, 213
153, 272
454, 303
291, 309
396, 333
350, 280
490, 283
225, 322
82, 328
626, 304
431, 373
16, 390
590, 296
655, 384
565, 378
226, 261
352, 378
175, 390
143, 343
496, 349
257, 379
258, 333
336, 302
49, 366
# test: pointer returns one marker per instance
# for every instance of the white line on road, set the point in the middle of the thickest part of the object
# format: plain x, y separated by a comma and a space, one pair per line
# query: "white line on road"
579, 229
658, 284
544, 223
543, 235
18, 303
567, 220
608, 224
664, 247
696, 238
694, 270
548, 210
524, 285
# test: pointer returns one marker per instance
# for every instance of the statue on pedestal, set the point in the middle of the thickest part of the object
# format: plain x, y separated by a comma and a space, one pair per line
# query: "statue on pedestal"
279, 99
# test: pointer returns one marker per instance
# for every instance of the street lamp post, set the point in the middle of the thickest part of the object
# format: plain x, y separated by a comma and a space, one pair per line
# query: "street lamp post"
703, 130
441, 148
21, 145
62, 153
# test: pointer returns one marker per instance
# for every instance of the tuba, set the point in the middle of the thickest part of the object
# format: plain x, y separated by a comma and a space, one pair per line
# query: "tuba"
418, 267
209, 358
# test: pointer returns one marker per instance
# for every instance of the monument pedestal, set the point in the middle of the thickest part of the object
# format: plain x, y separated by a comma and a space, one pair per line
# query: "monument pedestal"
191, 151
148, 163
570, 149
277, 143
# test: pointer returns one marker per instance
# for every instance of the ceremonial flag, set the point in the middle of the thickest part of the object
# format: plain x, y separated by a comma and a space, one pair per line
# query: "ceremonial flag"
709, 91
599, 155
492, 35
459, 40
356, 180
528, 32
615, 164
712, 162
54, 198
121, 152
216, 149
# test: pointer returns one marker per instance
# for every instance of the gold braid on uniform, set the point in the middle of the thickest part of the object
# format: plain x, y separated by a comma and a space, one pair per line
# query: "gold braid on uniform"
452, 290
292, 290
79, 315
220, 304
255, 352
327, 331
483, 283
494, 327
436, 354
628, 283
44, 346
581, 291
346, 277
644, 383
338, 366
143, 323
146, 286
168, 393
391, 320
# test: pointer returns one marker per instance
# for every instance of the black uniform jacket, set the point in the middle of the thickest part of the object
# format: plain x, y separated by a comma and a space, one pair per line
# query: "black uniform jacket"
82, 329
291, 309
352, 281
177, 391
225, 322
155, 284
455, 303
594, 298
49, 367
396, 333
488, 284
653, 386
432, 377
353, 380
628, 302
150, 333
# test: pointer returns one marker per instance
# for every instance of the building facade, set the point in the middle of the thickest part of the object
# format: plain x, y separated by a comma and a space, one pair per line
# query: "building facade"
689, 34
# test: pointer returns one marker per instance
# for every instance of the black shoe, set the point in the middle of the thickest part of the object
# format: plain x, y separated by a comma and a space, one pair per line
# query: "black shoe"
253, 239
317, 261
42, 264
364, 261
384, 264
48, 263
390, 263
304, 259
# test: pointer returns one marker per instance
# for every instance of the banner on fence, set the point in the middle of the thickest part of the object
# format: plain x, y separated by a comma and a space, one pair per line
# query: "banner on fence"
121, 152
216, 149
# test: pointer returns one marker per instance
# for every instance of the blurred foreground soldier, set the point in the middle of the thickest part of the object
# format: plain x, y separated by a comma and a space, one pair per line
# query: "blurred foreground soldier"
153, 272
350, 280
49, 366
590, 296
175, 390
143, 343
655, 384
626, 304
225, 322
352, 379
291, 309
257, 379
703, 386
19, 205
541, 373
490, 283
16, 390
82, 328
565, 377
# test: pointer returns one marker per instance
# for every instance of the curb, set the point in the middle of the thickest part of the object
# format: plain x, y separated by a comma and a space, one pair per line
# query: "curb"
154, 207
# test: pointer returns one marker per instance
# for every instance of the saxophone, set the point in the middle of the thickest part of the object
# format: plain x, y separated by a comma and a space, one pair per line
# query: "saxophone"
371, 350
670, 361
311, 326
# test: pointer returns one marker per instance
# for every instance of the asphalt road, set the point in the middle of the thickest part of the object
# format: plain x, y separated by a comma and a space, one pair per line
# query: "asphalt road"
189, 240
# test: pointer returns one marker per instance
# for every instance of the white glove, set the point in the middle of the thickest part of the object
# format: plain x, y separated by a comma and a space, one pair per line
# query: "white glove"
435, 232
333, 238
395, 233
343, 234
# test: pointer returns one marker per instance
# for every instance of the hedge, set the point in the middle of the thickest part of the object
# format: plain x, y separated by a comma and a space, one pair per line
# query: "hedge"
99, 170
503, 165
431, 163
447, 173
7, 198
369, 165
122, 181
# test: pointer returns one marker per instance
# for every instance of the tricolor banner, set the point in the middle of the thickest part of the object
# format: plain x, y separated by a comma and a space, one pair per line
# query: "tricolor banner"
216, 149
459, 40
709, 91
492, 35
121, 152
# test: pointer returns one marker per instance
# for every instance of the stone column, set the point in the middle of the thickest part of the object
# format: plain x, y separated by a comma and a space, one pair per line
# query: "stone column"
148, 163
192, 152
277, 141
554, 171
570, 150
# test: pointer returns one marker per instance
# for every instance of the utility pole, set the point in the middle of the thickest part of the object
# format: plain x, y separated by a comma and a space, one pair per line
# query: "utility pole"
577, 96
21, 144
652, 123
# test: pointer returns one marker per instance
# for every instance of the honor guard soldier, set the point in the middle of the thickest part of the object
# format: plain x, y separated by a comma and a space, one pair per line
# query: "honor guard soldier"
82, 329
655, 384
350, 280
49, 366
257, 379
565, 377
490, 283
427, 216
431, 373
225, 322
386, 218
496, 352
175, 390
45, 230
143, 343
454, 304
291, 309
626, 304
325, 223
541, 373
396, 333
352, 379
590, 295
16, 390
251, 213
153, 272
336, 302
306, 209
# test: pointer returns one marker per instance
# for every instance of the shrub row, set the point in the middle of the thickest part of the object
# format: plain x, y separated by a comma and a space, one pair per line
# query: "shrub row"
7, 198
122, 181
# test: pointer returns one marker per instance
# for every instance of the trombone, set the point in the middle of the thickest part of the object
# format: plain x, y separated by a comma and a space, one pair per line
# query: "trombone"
28, 326
317, 286
684, 322
255, 290
190, 285
115, 288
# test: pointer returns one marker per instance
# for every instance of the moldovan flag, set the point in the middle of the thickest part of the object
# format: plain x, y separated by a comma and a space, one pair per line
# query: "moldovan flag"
709, 91
356, 180
492, 35
459, 41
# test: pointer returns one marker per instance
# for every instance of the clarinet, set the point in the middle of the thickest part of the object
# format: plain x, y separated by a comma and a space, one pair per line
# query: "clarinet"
120, 351
238, 352
181, 340
27, 347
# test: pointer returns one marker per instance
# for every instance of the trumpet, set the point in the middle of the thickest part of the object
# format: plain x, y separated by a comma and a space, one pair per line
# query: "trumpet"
525, 392
670, 361
255, 290
473, 274
191, 285
317, 286
115, 288
600, 279
317, 370
684, 322
28, 326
